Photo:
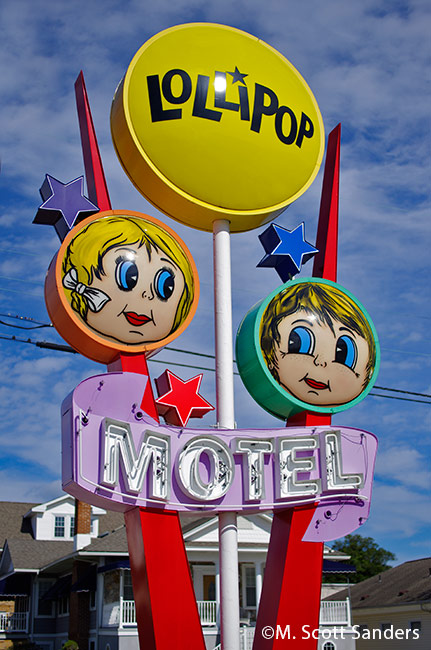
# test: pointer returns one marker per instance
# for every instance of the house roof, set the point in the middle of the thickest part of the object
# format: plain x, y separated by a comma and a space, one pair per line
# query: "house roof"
405, 584
33, 554
12, 523
24, 553
114, 541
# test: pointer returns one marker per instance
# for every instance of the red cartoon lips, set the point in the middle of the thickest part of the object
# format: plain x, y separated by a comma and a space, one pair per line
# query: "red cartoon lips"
317, 385
136, 319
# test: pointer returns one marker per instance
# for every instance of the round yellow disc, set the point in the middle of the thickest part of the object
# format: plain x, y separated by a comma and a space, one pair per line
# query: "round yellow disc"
210, 123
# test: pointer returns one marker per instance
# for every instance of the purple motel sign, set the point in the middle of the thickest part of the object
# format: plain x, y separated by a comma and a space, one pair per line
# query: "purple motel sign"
117, 457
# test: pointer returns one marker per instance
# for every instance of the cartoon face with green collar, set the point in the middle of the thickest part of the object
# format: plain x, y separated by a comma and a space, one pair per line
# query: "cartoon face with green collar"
317, 344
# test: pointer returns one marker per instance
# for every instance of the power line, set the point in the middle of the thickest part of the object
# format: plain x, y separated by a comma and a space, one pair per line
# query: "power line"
212, 356
27, 318
405, 399
67, 348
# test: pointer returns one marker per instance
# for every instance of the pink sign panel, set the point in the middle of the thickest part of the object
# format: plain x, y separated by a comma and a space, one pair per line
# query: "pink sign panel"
117, 457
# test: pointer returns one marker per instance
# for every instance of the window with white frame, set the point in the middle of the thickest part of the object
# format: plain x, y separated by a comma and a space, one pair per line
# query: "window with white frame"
72, 526
329, 646
249, 586
59, 526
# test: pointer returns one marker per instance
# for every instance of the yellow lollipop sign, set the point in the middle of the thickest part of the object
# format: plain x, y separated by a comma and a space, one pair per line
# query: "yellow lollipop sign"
212, 123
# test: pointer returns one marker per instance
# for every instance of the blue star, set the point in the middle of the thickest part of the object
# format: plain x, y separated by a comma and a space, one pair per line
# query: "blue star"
64, 204
286, 250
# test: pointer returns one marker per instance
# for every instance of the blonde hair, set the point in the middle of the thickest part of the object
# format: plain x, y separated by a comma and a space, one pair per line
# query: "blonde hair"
327, 303
86, 251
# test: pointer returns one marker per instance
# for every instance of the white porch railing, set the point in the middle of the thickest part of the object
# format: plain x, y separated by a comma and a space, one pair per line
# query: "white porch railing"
128, 613
335, 612
332, 612
13, 621
246, 636
207, 611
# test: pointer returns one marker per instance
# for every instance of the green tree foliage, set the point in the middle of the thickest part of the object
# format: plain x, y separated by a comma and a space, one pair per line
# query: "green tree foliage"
368, 558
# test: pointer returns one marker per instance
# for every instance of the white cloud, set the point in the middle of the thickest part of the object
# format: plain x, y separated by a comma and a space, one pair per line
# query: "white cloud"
366, 64
404, 465
397, 512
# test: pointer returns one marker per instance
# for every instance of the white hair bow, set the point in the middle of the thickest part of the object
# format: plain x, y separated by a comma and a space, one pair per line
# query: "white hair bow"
96, 298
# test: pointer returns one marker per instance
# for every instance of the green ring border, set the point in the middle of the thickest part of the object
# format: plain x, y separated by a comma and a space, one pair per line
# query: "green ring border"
257, 379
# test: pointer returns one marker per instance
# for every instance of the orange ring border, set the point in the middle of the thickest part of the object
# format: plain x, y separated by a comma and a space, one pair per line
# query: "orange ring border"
73, 329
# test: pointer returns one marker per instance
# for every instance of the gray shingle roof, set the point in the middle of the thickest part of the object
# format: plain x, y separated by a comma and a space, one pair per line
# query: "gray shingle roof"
407, 583
32, 554
113, 542
11, 520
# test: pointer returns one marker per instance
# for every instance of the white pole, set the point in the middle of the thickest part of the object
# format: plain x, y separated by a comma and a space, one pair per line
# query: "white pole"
228, 531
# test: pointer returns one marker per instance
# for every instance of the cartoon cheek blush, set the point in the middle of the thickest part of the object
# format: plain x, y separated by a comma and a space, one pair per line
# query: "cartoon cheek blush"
308, 346
121, 282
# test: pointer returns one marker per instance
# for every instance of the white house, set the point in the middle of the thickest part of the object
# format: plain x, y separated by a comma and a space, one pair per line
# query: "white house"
55, 585
393, 609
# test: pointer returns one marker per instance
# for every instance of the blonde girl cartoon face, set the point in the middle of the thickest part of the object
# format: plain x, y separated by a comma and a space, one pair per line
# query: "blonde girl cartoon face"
128, 279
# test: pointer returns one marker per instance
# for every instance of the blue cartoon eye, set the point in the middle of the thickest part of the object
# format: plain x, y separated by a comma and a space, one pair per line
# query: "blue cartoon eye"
301, 341
346, 352
126, 274
164, 283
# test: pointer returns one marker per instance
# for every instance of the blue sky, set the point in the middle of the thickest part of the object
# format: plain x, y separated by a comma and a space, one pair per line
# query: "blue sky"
367, 64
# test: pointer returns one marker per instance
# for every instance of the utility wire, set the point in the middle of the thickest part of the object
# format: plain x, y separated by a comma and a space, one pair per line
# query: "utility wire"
27, 318
212, 356
67, 348
172, 349
19, 327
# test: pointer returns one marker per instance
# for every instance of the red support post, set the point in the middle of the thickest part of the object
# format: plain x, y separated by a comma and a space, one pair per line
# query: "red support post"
166, 609
290, 602
325, 262
94, 174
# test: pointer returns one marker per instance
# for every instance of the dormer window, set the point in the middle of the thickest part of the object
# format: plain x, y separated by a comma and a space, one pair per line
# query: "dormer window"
59, 529
55, 520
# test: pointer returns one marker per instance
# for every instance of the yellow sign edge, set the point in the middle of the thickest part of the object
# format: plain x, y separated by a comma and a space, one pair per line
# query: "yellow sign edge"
168, 197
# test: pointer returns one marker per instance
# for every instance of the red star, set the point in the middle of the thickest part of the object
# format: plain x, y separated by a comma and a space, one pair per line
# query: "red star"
180, 400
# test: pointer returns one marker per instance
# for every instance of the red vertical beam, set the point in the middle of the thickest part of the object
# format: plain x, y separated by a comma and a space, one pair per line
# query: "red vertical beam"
166, 608
293, 573
137, 363
94, 174
325, 262
289, 600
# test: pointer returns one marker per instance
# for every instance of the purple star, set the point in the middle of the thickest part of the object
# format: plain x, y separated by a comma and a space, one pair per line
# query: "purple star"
286, 250
64, 204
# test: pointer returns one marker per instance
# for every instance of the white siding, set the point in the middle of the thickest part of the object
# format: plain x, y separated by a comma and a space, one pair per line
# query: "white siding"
401, 621
45, 520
